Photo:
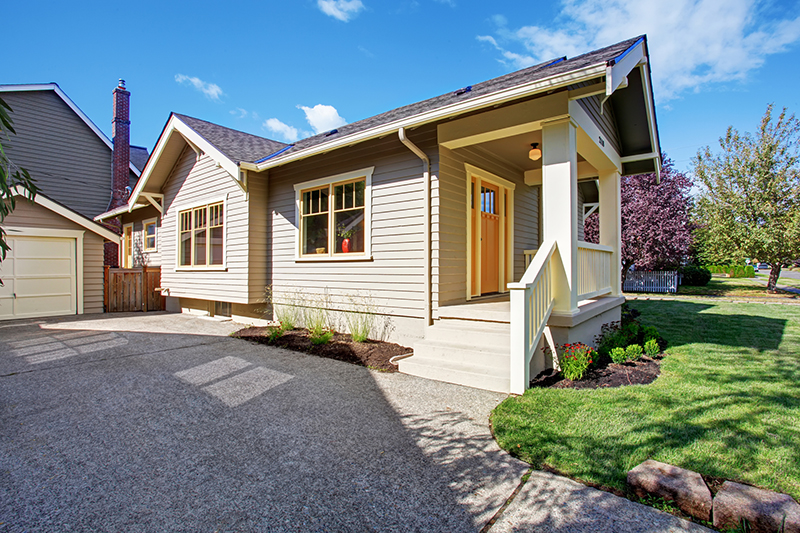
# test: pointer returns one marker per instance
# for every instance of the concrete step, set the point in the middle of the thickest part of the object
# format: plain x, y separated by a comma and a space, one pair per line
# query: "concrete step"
470, 375
467, 354
484, 312
470, 332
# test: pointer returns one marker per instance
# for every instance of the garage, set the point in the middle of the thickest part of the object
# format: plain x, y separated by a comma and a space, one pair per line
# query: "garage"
55, 264
39, 277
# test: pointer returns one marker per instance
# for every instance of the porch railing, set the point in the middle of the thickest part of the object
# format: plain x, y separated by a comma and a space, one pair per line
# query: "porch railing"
594, 270
532, 300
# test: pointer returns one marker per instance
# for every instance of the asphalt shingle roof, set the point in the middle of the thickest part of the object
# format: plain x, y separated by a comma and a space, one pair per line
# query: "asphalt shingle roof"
236, 145
139, 156
240, 146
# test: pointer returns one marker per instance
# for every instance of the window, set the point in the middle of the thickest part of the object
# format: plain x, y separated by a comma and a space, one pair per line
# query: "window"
201, 236
334, 216
149, 235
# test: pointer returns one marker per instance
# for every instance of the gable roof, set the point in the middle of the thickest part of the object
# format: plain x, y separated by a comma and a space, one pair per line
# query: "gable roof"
236, 145
55, 88
139, 155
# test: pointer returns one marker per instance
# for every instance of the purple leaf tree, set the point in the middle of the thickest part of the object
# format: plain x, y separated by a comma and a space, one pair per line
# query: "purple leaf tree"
656, 230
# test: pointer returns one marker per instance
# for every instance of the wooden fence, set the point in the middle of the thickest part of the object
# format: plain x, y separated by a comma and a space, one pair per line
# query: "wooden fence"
132, 289
651, 281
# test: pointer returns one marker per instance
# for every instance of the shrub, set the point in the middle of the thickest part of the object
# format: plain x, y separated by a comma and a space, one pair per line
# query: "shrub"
316, 318
695, 276
321, 337
286, 306
626, 332
633, 352
649, 333
618, 355
361, 320
275, 334
575, 360
651, 347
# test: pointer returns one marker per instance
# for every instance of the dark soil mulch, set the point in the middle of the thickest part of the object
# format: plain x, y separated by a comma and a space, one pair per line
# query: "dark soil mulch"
372, 354
640, 372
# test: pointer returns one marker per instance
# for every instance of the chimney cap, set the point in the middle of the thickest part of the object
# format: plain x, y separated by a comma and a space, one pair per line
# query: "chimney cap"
121, 83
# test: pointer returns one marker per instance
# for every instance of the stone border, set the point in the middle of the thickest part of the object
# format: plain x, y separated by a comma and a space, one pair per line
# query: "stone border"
764, 510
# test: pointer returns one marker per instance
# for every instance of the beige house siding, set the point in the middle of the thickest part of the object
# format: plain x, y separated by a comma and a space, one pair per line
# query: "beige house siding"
28, 215
258, 216
194, 182
395, 277
450, 220
70, 163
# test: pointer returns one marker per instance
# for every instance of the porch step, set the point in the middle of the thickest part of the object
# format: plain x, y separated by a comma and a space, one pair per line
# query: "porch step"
465, 352
481, 377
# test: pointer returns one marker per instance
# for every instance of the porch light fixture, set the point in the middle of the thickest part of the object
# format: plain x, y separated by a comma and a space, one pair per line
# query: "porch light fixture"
536, 153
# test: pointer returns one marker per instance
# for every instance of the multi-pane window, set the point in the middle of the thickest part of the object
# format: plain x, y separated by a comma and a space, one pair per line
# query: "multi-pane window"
149, 236
332, 218
201, 236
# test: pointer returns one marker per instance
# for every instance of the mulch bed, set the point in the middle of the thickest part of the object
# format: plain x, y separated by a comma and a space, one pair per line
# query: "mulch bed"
372, 354
640, 372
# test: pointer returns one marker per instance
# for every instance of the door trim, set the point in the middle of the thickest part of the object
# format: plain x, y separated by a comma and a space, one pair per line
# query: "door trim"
14, 231
506, 194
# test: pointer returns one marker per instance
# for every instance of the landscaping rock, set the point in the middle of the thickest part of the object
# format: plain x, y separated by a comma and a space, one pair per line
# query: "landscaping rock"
684, 487
764, 510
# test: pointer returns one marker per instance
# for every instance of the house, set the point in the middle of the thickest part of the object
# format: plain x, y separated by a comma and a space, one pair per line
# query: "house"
460, 217
55, 265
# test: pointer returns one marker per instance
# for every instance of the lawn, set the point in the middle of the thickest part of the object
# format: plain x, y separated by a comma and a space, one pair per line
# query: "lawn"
732, 288
727, 403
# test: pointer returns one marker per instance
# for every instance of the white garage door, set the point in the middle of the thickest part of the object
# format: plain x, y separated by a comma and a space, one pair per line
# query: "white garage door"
39, 278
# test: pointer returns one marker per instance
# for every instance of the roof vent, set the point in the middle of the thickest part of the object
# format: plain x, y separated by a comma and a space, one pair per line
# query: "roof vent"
331, 133
463, 90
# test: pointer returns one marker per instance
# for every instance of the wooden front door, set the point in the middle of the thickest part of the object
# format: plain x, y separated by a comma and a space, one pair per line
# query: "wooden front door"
490, 238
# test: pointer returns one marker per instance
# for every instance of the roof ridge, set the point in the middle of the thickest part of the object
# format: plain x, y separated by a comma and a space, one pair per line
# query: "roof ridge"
181, 115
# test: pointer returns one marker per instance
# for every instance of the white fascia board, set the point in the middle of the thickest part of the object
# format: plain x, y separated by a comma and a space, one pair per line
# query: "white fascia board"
72, 105
499, 97
193, 139
651, 116
617, 73
69, 214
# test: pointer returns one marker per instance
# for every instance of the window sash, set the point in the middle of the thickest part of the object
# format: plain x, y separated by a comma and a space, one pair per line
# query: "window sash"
202, 236
332, 201
149, 236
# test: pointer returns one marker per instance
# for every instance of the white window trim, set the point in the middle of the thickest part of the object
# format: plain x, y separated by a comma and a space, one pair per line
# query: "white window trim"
367, 254
153, 220
208, 268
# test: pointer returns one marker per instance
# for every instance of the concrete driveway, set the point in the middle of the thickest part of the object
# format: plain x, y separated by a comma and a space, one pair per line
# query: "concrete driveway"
157, 422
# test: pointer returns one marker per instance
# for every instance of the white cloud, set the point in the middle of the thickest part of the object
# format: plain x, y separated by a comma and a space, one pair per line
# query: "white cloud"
239, 111
692, 42
285, 131
323, 117
518, 61
211, 90
343, 10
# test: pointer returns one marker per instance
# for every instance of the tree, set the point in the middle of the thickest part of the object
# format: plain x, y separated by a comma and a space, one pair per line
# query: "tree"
749, 200
11, 177
656, 230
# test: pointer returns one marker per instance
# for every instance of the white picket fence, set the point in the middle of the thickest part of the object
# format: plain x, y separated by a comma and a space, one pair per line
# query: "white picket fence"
651, 281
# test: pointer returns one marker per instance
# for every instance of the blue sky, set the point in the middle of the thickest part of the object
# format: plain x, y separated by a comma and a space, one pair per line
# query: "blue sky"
287, 69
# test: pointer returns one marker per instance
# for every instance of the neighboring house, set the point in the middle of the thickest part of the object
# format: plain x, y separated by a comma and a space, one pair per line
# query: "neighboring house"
436, 211
55, 266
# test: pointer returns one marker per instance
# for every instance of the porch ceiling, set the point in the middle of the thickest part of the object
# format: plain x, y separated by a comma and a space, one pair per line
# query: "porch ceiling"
515, 149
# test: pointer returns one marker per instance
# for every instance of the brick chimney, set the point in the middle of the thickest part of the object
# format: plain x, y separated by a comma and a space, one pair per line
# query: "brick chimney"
121, 135
120, 166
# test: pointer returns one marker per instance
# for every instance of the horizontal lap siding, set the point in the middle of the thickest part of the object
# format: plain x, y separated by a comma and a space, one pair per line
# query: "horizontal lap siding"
195, 182
69, 162
605, 121
28, 215
258, 187
450, 220
395, 279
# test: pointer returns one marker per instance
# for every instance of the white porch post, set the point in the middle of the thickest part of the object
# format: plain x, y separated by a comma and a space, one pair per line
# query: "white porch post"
611, 224
560, 209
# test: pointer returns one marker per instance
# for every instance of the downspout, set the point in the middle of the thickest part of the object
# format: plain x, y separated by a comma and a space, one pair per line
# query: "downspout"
426, 175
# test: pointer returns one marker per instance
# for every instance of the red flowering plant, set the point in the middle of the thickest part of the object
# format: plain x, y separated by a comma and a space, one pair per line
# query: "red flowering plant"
574, 359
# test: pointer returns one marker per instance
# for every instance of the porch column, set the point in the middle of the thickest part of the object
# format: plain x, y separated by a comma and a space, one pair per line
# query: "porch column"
611, 224
560, 209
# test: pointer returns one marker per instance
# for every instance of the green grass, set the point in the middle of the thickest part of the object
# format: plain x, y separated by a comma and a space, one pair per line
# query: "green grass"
782, 280
731, 288
727, 404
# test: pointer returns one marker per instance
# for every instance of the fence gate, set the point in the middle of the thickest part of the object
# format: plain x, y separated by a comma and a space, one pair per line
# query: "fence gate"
132, 289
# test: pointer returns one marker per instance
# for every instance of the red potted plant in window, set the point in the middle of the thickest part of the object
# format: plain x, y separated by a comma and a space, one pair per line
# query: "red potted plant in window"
345, 234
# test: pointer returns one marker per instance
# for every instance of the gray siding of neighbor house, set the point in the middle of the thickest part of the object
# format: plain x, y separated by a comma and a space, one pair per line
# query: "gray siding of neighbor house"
606, 121
395, 277
70, 163
192, 183
30, 215
450, 220
137, 217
